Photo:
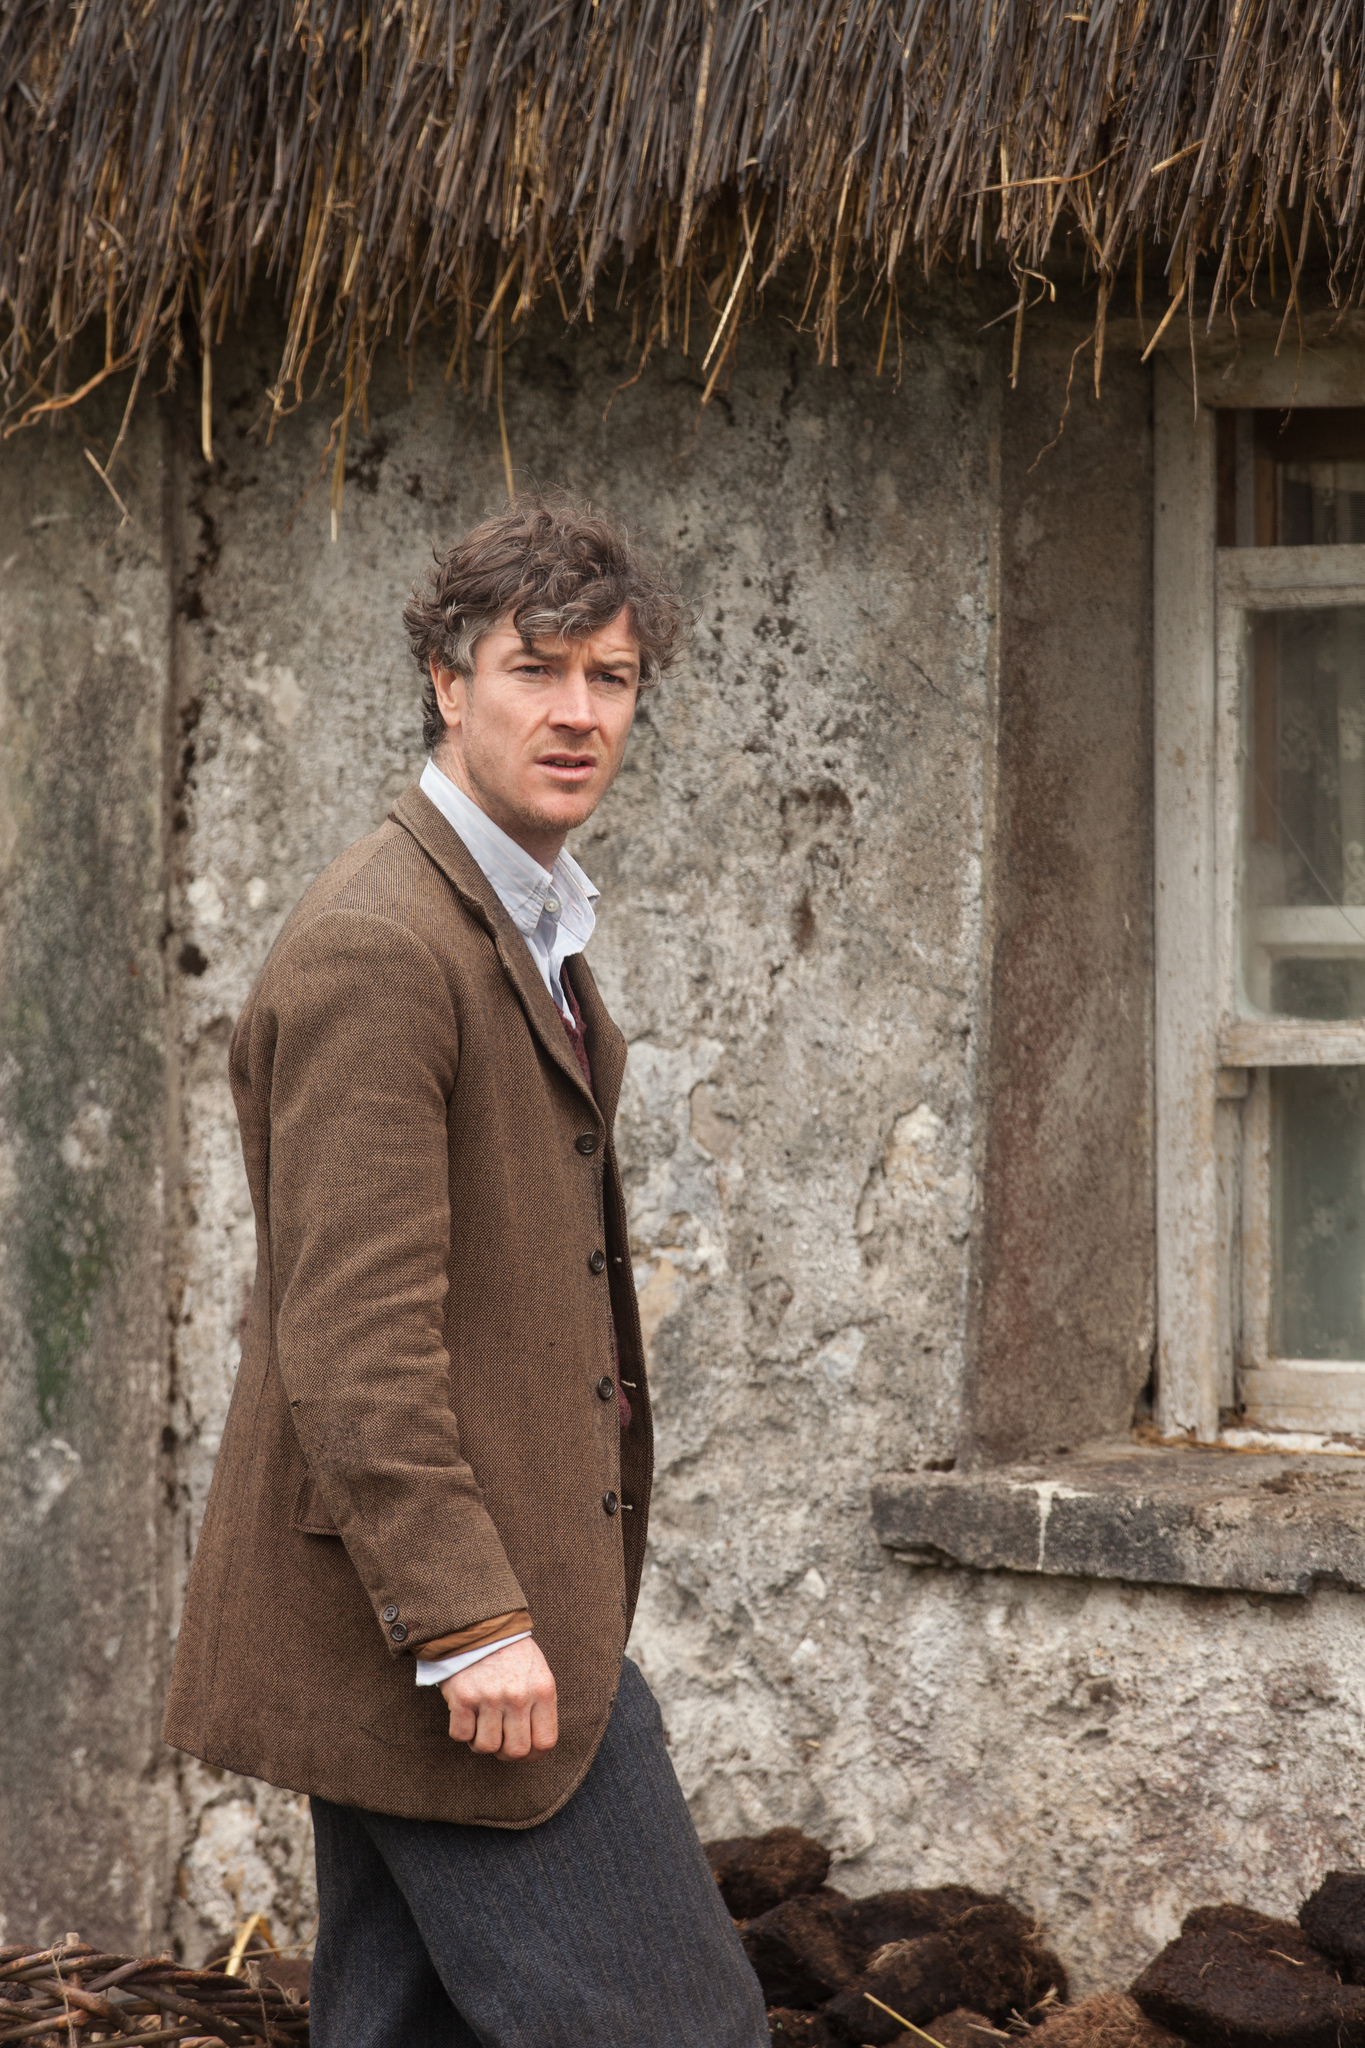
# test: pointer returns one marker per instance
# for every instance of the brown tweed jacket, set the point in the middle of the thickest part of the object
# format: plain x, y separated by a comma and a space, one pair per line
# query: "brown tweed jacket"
422, 1433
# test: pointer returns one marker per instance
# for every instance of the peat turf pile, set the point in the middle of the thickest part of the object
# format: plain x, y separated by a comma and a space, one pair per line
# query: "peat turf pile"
1237, 1979
952, 1966
840, 1972
961, 1968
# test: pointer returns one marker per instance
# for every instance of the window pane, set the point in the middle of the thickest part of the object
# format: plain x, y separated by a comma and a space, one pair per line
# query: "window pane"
1322, 504
1292, 479
1303, 837
1318, 1181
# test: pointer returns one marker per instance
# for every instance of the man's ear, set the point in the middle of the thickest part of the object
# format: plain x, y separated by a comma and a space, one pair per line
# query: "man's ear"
449, 686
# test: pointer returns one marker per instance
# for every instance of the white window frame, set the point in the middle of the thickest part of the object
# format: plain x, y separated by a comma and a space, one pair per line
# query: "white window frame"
1212, 1065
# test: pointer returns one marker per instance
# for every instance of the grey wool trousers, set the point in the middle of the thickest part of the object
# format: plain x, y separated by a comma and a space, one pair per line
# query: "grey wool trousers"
601, 1928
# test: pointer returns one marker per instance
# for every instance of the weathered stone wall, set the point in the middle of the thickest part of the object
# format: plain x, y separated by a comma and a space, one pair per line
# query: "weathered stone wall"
87, 1810
1110, 1755
905, 769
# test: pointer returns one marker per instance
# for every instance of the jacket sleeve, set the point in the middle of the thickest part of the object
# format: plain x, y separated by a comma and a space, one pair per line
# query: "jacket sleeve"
360, 1044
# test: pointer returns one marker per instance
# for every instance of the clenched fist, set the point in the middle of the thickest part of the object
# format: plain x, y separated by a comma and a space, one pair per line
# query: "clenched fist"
505, 1705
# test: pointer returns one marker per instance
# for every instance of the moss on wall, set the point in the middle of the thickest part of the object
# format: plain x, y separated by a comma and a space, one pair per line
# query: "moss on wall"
84, 609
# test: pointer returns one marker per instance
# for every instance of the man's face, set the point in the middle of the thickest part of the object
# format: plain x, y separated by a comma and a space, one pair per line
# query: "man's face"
537, 736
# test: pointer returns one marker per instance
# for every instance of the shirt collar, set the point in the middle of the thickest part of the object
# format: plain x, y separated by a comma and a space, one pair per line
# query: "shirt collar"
520, 882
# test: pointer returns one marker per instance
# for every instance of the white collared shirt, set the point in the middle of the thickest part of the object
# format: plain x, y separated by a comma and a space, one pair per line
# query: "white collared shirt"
551, 908
553, 911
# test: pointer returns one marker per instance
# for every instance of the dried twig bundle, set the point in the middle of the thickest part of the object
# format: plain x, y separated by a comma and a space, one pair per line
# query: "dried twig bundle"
72, 1994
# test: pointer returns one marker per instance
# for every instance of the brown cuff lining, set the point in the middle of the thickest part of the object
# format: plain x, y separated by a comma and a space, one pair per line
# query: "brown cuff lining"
492, 1631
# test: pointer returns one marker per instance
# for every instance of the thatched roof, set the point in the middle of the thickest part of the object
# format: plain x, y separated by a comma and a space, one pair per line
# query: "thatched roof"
386, 163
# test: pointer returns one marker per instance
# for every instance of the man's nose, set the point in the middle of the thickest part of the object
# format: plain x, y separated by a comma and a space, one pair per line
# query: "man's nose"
573, 706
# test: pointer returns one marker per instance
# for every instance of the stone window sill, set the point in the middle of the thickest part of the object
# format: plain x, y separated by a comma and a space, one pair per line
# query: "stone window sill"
1233, 1520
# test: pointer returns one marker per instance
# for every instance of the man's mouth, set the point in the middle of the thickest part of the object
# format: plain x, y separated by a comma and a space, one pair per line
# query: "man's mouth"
569, 769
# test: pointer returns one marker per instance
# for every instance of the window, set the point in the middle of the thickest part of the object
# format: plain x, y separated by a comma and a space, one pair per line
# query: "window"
1260, 720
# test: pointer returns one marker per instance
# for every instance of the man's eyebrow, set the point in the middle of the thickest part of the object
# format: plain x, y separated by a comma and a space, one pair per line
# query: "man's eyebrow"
556, 652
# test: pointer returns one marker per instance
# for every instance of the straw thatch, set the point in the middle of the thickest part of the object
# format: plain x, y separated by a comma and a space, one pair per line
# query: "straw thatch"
386, 163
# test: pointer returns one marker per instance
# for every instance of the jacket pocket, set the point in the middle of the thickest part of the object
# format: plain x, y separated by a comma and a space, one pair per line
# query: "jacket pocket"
310, 1515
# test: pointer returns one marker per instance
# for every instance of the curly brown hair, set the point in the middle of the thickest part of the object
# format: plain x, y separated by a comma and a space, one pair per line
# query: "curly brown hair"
560, 570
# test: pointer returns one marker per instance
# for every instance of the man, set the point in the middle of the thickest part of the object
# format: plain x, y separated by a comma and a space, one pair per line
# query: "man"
423, 1543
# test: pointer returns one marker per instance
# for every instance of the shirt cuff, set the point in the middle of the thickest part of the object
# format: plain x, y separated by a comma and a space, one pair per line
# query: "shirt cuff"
436, 1670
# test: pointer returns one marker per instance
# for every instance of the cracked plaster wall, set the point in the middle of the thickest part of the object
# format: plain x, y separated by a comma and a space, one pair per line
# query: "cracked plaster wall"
791, 934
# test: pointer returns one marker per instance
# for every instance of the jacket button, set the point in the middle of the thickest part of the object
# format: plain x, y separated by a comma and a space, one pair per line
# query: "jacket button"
398, 1633
586, 1143
597, 1262
610, 1503
606, 1387
390, 1613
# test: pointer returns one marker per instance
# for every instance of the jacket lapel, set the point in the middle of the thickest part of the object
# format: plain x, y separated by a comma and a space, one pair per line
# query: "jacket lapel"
418, 815
605, 1044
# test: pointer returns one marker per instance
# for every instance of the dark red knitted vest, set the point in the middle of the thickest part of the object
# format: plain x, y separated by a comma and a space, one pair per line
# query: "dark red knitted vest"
580, 1051
575, 1031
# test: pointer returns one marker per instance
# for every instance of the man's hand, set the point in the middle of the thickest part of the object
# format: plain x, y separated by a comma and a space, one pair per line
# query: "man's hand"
505, 1705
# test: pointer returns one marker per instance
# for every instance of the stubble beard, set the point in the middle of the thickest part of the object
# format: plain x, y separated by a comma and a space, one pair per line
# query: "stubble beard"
530, 817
